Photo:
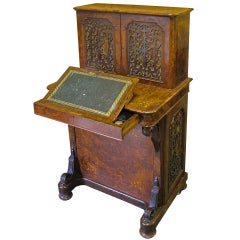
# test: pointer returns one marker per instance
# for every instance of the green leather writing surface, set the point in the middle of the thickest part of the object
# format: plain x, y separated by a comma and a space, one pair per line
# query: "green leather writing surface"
90, 92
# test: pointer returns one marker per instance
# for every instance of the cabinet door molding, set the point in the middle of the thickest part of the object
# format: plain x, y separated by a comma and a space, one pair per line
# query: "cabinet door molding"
99, 41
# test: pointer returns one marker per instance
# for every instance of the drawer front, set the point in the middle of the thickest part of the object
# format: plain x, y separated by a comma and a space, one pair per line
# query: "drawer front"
112, 130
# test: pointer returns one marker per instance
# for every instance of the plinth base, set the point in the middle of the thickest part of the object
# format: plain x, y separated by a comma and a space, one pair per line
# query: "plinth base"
153, 213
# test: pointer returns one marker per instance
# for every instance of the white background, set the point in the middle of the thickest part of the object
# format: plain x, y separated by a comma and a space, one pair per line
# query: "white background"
38, 41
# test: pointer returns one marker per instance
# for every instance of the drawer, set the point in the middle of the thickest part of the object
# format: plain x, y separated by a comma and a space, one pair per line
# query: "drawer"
112, 130
91, 101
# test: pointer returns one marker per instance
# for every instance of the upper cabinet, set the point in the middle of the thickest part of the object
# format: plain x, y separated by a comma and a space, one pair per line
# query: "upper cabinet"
150, 43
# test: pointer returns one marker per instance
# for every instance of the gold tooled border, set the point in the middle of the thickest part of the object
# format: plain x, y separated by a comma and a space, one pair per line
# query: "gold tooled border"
105, 114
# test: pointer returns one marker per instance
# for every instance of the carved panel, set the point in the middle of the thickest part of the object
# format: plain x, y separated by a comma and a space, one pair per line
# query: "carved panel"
176, 146
145, 50
99, 44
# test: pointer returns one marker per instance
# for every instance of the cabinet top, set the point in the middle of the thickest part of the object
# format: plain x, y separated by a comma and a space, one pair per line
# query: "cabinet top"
136, 9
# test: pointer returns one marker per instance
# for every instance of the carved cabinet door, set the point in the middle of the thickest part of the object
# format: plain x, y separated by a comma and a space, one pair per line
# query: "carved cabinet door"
99, 41
145, 44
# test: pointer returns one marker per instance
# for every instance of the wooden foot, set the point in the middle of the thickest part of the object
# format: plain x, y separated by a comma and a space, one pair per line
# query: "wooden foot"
148, 234
146, 230
71, 179
65, 190
152, 216
183, 188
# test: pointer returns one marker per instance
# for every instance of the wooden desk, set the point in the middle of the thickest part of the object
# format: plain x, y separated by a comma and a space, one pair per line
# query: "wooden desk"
137, 154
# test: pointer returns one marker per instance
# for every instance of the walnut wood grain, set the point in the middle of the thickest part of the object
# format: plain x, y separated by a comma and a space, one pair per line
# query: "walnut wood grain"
141, 159
136, 9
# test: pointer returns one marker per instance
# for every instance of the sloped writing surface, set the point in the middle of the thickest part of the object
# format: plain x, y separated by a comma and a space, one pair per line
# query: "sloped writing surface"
91, 92
107, 94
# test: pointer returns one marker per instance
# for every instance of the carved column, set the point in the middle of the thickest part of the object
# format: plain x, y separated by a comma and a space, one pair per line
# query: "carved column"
148, 220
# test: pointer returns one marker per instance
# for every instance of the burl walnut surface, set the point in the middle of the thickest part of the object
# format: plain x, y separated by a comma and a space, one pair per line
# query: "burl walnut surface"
139, 154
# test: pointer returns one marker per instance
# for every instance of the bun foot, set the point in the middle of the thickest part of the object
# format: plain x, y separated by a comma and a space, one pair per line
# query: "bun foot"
65, 197
149, 233
64, 192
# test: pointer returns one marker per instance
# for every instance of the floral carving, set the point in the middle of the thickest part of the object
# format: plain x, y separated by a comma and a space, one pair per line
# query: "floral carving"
144, 50
99, 44
176, 146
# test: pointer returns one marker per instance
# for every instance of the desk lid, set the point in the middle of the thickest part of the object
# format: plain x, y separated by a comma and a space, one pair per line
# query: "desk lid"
96, 95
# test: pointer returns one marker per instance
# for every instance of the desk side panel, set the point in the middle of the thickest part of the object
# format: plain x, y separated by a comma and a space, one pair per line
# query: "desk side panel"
126, 166
174, 147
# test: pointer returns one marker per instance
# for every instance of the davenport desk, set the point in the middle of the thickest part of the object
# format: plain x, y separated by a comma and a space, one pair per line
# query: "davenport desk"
126, 106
